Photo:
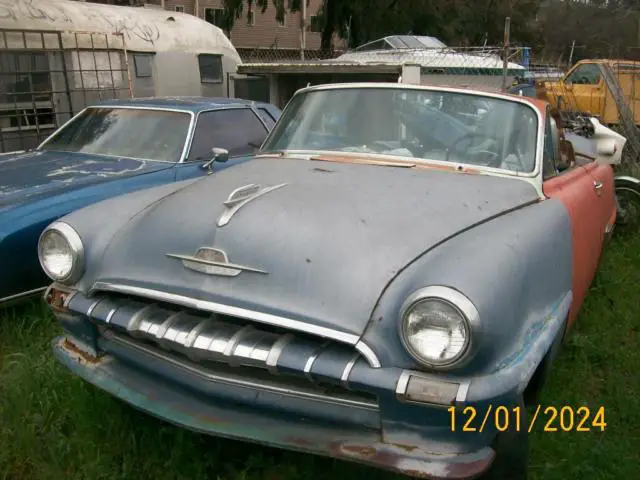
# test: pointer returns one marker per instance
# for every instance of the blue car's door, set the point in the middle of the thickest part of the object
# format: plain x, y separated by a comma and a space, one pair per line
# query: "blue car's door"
239, 130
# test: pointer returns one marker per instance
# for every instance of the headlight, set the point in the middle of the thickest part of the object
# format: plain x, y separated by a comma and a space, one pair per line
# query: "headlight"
436, 326
61, 253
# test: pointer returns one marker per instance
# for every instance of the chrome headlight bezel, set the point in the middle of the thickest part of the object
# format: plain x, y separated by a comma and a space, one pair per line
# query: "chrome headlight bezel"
461, 305
77, 251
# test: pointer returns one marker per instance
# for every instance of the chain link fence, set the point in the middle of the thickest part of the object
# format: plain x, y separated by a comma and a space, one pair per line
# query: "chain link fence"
275, 55
46, 77
493, 68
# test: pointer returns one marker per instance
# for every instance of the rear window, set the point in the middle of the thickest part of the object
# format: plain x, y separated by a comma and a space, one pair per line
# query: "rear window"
267, 118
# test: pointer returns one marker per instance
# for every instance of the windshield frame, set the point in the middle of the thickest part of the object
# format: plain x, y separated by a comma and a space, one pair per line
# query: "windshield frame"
185, 146
534, 174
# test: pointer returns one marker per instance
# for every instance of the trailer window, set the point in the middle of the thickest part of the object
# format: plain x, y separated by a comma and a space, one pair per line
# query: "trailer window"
210, 68
142, 62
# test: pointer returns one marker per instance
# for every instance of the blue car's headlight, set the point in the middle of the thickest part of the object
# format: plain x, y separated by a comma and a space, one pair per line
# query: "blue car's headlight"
436, 326
61, 253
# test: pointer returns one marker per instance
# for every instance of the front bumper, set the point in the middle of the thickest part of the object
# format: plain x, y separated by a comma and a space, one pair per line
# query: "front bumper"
231, 420
232, 378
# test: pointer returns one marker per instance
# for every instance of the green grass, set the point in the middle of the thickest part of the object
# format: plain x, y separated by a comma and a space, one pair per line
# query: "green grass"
55, 426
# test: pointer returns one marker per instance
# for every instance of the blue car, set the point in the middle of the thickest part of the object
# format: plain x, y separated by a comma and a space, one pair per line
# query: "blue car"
110, 149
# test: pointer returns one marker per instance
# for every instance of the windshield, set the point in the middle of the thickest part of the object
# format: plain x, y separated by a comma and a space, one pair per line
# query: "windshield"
413, 123
125, 132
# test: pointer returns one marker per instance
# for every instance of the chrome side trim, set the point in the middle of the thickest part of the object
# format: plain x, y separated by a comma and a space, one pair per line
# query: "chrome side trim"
266, 318
21, 295
92, 307
344, 378
367, 353
252, 384
461, 397
312, 359
110, 315
276, 351
403, 383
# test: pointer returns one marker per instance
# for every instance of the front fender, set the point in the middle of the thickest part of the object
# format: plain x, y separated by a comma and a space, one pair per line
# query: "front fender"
517, 271
98, 223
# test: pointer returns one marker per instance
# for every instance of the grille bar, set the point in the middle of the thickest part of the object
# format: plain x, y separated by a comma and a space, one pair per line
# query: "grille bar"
222, 339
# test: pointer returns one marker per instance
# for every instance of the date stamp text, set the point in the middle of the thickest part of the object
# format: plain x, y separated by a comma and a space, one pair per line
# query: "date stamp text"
549, 419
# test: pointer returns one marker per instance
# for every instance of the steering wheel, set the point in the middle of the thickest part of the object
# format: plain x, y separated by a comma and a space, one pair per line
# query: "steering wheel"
492, 158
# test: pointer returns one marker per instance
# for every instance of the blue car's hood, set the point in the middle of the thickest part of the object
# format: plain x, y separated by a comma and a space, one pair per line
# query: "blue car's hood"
25, 176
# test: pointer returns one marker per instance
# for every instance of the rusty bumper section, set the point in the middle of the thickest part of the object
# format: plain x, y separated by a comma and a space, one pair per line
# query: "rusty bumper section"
228, 420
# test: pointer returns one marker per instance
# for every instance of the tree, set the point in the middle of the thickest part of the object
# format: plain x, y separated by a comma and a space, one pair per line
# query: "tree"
455, 22
234, 9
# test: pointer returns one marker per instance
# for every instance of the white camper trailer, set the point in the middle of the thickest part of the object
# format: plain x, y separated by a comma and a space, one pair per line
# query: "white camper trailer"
57, 56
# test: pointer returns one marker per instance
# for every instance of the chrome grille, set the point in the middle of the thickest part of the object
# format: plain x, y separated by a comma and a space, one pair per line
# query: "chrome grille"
210, 338
207, 338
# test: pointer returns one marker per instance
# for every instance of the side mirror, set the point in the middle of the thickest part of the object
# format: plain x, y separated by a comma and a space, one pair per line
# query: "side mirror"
609, 144
219, 155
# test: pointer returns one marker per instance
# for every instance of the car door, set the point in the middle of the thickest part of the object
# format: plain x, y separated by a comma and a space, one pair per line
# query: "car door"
574, 187
584, 89
241, 131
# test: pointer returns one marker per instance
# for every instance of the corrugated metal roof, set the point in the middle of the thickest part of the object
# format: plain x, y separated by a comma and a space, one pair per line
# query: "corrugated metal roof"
433, 58
318, 67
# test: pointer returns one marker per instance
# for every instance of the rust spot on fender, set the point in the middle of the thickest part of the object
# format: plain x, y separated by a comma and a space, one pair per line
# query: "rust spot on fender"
361, 451
417, 474
406, 448
56, 299
79, 355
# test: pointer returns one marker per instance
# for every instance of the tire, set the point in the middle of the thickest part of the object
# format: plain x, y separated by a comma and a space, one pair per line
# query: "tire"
512, 452
627, 203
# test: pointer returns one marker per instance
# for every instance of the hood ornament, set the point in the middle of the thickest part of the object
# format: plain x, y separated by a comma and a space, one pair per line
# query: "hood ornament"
240, 197
213, 261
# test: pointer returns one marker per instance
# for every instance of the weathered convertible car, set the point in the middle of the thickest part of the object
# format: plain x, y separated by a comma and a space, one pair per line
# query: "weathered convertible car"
392, 251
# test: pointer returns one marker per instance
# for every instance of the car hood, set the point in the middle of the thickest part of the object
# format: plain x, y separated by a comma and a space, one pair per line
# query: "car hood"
329, 240
25, 176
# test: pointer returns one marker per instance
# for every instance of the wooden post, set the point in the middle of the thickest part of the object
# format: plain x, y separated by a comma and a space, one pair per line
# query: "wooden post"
303, 29
573, 47
505, 62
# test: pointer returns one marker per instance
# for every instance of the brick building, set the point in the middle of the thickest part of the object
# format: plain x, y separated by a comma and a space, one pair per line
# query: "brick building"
257, 33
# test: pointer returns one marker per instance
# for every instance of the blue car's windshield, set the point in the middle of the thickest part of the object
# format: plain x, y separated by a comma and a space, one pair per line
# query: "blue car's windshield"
124, 132
443, 125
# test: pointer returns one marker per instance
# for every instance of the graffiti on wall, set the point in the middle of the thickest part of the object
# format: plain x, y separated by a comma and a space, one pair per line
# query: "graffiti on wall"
35, 10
